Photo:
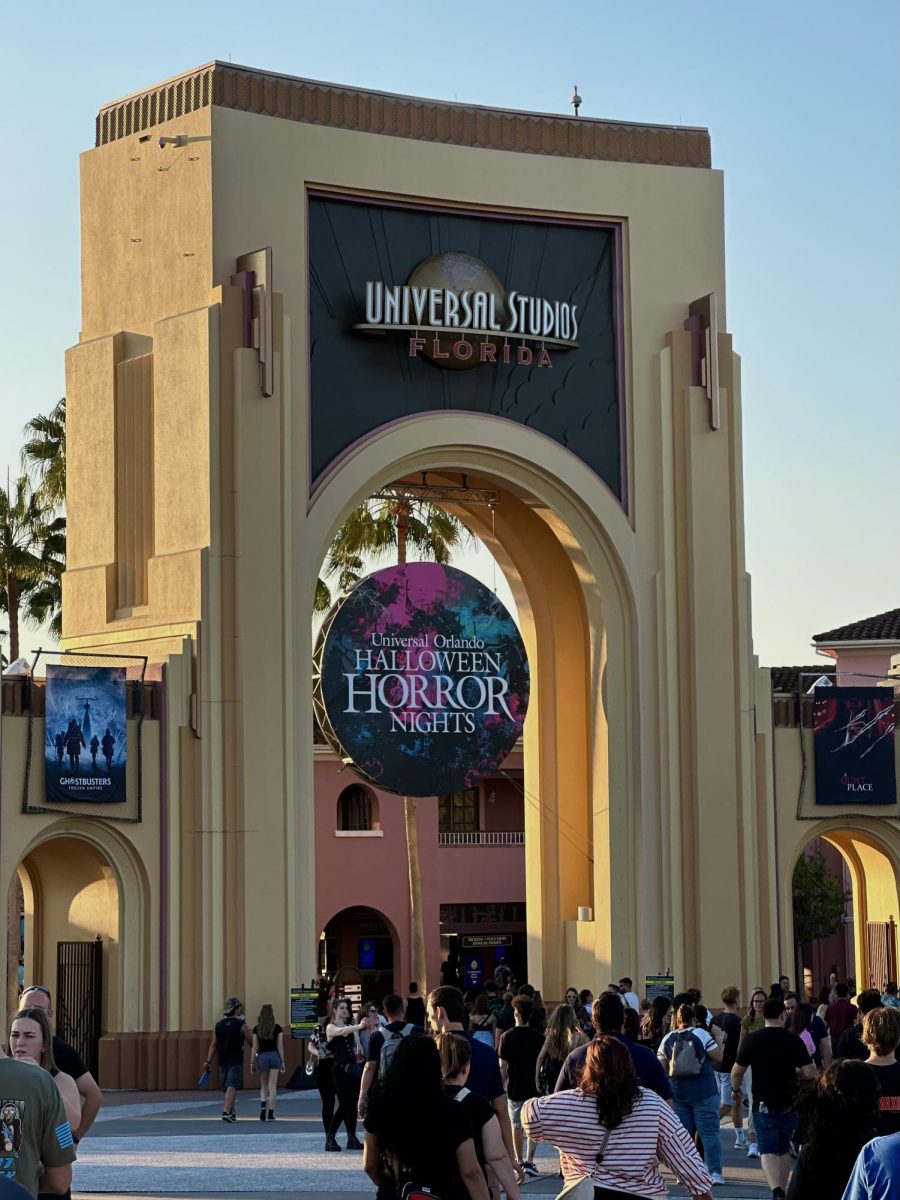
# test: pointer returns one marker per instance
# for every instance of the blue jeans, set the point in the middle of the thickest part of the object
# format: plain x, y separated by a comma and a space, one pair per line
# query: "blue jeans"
703, 1115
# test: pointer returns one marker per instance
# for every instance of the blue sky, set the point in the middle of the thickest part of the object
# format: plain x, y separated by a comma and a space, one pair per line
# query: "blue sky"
802, 103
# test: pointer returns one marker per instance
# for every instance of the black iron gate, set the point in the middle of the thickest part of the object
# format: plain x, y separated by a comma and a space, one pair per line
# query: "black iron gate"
79, 990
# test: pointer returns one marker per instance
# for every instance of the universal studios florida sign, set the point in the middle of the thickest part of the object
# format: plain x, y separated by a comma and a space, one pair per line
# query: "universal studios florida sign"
456, 312
421, 680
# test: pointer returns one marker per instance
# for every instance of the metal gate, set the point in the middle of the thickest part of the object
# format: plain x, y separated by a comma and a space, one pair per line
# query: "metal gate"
882, 947
79, 990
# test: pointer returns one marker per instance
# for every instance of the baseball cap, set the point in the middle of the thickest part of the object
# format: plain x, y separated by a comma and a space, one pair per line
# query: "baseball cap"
231, 1004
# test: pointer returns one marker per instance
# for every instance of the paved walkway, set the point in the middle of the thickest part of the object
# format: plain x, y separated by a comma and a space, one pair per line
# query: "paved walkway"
175, 1146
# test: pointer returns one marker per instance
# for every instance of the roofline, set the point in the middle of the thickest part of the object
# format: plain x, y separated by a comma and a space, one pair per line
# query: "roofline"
861, 643
361, 91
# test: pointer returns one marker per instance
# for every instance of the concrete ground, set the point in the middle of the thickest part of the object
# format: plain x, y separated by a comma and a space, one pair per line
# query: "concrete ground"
175, 1146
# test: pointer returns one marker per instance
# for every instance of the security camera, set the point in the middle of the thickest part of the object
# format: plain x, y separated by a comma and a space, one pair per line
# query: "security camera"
179, 140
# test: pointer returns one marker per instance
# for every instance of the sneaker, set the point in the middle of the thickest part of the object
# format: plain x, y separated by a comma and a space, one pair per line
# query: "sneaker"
753, 1150
740, 1140
353, 1143
332, 1144
717, 1177
270, 1115
262, 1113
227, 1116
530, 1169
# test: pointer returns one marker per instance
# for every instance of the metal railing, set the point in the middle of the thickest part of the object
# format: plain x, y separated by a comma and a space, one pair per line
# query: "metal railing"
516, 838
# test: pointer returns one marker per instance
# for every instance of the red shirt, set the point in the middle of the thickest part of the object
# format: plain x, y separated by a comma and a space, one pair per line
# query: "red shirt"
839, 1015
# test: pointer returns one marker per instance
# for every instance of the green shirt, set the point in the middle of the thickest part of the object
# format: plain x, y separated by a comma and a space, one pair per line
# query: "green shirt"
34, 1132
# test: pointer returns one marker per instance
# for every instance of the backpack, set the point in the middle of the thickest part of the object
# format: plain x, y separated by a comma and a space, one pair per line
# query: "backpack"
392, 1040
684, 1055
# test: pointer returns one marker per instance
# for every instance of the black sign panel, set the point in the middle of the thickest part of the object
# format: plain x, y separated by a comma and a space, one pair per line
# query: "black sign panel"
415, 311
853, 735
481, 941
304, 1011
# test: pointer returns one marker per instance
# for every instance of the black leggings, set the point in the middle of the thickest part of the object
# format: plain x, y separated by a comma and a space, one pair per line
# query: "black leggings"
347, 1088
324, 1076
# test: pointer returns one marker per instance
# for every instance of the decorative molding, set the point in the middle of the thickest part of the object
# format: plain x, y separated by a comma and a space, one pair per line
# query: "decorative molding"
229, 86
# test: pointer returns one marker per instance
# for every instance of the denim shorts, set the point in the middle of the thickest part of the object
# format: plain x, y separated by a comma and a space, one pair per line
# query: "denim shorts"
268, 1060
515, 1112
774, 1131
232, 1075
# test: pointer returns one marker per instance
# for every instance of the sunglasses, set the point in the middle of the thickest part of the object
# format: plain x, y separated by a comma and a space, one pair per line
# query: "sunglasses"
37, 987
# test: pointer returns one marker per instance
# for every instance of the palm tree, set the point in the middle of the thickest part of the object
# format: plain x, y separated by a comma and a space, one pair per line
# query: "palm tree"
24, 531
45, 453
391, 524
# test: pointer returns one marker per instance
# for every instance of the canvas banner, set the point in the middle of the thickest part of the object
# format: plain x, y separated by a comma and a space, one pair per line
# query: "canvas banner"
853, 738
85, 740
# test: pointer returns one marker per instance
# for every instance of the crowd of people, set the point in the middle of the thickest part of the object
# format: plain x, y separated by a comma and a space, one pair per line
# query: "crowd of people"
455, 1094
49, 1102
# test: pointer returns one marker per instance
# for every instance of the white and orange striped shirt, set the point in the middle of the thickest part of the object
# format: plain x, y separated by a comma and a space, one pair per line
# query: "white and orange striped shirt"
651, 1134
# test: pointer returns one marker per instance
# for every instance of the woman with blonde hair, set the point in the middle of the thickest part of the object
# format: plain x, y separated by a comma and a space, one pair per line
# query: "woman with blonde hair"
564, 1034
31, 1040
267, 1057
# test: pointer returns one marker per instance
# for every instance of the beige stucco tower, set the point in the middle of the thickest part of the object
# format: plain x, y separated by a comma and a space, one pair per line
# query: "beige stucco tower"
197, 527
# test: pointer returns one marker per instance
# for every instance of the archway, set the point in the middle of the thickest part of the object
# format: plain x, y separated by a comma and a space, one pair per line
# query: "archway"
78, 884
361, 938
562, 541
864, 947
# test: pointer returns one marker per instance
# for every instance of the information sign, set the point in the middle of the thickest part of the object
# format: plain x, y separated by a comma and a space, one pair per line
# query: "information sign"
304, 1011
659, 985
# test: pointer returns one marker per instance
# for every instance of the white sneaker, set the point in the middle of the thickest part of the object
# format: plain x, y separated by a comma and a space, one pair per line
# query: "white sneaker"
740, 1141
753, 1150
717, 1177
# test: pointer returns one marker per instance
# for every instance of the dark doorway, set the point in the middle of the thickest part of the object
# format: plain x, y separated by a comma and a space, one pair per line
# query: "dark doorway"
79, 992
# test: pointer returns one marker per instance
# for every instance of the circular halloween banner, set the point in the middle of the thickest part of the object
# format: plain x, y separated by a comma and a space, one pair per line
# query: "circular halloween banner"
422, 680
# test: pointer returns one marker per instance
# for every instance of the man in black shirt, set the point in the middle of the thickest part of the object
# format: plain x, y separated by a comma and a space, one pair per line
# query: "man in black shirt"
228, 1044
777, 1057
394, 1008
519, 1050
68, 1060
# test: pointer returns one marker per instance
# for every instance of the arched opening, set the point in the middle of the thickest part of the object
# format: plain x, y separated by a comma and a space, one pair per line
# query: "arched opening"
554, 537
70, 936
360, 938
861, 940
357, 810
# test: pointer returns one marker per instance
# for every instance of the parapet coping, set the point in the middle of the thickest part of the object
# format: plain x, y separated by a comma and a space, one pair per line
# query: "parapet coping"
268, 93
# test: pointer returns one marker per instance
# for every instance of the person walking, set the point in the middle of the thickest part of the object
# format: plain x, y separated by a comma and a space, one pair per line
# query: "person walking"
267, 1059
881, 1036
564, 1035
519, 1050
456, 1059
323, 1073
838, 1116
415, 1135
612, 1134
752, 1022
383, 1045
850, 1043
818, 1030
890, 999
31, 1040
228, 1040
482, 1021
840, 1014
445, 1011
729, 1022
343, 1042
629, 996
688, 1054
653, 1025
776, 1057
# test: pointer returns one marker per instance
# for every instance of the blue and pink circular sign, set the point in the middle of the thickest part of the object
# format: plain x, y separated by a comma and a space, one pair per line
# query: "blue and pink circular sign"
423, 680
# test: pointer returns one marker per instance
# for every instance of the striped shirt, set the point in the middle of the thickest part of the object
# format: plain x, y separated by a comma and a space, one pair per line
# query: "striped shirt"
651, 1134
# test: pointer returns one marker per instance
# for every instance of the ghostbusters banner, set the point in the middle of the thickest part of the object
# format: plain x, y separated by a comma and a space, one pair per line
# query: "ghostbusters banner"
85, 740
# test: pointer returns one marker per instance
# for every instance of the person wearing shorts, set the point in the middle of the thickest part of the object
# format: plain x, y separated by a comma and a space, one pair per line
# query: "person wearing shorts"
227, 1044
518, 1051
267, 1059
777, 1057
